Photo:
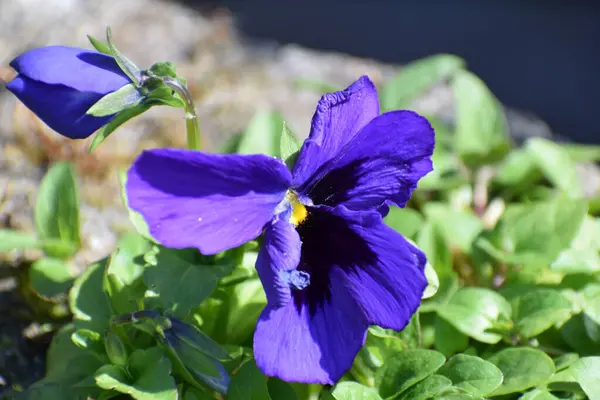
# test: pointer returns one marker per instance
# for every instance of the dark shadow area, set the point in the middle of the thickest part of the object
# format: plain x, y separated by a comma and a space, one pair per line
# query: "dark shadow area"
537, 56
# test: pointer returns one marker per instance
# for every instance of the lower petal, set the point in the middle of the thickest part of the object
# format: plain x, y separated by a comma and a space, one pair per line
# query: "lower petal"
212, 202
297, 344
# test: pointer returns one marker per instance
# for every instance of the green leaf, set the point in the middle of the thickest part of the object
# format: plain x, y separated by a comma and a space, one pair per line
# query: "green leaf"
57, 206
472, 374
126, 97
164, 68
481, 129
289, 147
147, 377
119, 119
100, 46
50, 277
248, 384
556, 165
231, 145
459, 227
13, 240
135, 218
404, 220
473, 311
538, 394
123, 284
448, 339
263, 135
591, 302
564, 361
428, 388
87, 339
523, 368
407, 369
582, 152
576, 334
246, 302
179, 284
433, 282
354, 391
431, 241
416, 78
63, 351
126, 65
585, 370
115, 349
536, 233
281, 390
538, 310
519, 170
583, 254
87, 301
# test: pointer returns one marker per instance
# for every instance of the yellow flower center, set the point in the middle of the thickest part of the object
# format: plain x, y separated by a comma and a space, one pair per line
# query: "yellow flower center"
299, 211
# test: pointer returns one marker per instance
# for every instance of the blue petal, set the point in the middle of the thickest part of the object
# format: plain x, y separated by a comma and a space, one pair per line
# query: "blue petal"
338, 118
361, 272
277, 262
212, 202
381, 164
61, 108
79, 69
297, 344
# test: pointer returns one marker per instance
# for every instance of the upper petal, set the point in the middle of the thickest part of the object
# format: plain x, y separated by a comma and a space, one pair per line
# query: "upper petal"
277, 261
298, 344
79, 69
338, 118
212, 202
382, 163
61, 108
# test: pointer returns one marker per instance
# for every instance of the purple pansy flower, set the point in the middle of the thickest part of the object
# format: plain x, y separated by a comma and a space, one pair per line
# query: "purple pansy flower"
329, 265
59, 84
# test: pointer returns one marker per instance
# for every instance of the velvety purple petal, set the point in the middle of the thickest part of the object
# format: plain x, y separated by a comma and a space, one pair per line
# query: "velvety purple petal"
61, 108
383, 272
79, 69
213, 202
338, 118
382, 164
297, 344
277, 260
389, 289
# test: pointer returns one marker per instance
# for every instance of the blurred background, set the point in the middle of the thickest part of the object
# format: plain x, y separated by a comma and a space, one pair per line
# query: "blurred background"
535, 55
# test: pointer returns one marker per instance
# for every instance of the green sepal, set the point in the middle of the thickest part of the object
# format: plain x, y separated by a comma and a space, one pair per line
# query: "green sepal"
163, 68
126, 97
117, 121
100, 46
126, 65
289, 146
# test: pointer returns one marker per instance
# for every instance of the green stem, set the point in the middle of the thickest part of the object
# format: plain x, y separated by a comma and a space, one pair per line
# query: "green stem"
194, 135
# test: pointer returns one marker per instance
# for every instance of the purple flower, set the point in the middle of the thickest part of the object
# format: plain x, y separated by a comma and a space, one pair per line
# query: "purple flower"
59, 84
329, 264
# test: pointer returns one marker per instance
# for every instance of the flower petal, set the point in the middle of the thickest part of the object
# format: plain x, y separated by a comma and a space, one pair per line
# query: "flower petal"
299, 345
213, 202
382, 271
61, 108
389, 289
338, 118
79, 69
277, 259
382, 164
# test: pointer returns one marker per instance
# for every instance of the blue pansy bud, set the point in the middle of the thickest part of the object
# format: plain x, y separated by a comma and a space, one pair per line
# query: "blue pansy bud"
59, 84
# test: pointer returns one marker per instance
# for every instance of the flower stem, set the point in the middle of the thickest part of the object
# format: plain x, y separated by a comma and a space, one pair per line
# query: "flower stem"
194, 135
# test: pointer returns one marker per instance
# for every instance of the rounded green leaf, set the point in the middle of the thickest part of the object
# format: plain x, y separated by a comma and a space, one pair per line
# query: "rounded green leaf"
263, 135
428, 388
472, 374
404, 220
538, 310
538, 394
354, 391
473, 311
248, 384
50, 277
87, 301
448, 339
281, 390
406, 369
587, 373
523, 368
